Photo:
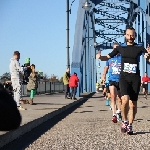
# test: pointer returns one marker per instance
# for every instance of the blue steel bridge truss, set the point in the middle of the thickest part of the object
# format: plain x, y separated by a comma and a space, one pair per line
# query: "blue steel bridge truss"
105, 24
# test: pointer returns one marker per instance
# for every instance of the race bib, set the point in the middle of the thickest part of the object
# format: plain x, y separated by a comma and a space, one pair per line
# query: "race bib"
145, 82
130, 68
116, 69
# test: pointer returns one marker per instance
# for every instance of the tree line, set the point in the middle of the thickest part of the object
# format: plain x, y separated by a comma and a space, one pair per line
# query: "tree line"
53, 78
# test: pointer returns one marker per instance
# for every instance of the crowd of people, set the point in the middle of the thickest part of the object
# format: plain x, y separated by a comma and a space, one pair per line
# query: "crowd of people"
11, 94
122, 67
22, 74
12, 91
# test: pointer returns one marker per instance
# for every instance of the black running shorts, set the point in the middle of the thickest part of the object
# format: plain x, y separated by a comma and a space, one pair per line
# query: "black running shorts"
130, 85
145, 86
115, 84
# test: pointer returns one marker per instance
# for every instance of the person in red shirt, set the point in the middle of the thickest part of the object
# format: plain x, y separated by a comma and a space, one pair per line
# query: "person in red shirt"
145, 80
73, 84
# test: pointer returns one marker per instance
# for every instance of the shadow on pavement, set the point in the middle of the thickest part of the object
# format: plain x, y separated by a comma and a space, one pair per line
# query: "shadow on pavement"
44, 108
28, 138
137, 133
98, 97
49, 104
85, 111
143, 107
103, 110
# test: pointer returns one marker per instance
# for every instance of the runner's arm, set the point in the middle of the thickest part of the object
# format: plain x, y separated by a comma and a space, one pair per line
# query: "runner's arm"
105, 72
102, 58
110, 55
113, 53
106, 68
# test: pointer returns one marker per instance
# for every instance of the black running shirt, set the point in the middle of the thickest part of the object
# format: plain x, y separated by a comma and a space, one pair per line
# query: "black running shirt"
130, 57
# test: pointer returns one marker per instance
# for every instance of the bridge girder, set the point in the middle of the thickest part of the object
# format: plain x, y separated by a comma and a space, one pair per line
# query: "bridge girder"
107, 26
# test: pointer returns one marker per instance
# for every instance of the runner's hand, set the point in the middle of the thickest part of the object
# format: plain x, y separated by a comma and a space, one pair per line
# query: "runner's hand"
98, 55
148, 48
146, 55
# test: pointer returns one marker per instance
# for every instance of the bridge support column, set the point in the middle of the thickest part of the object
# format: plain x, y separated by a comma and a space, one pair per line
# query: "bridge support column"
84, 72
87, 69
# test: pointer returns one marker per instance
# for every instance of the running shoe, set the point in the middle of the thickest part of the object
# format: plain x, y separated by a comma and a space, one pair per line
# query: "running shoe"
119, 117
124, 127
129, 130
114, 119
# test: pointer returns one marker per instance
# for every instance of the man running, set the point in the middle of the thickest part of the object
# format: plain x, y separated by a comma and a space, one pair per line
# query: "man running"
113, 67
130, 79
144, 84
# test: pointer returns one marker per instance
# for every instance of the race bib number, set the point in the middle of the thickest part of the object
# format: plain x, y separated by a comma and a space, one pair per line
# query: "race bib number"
116, 69
130, 68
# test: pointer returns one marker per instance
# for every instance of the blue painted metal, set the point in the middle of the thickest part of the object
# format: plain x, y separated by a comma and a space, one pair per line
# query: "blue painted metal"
83, 55
84, 72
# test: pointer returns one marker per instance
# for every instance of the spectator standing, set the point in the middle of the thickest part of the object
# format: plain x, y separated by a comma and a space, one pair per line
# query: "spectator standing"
32, 84
145, 80
66, 83
73, 84
16, 72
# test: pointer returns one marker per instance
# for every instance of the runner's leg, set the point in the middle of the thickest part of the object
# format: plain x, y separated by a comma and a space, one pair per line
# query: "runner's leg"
113, 93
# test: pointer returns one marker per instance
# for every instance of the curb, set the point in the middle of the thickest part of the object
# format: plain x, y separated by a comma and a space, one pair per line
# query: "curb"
14, 134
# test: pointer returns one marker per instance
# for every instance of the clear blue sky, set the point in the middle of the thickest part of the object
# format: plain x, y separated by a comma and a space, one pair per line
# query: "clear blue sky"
36, 28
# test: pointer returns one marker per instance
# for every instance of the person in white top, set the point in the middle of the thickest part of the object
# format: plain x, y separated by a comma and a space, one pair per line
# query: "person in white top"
16, 72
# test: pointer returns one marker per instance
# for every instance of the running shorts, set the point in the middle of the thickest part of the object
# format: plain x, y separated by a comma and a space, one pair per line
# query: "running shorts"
145, 86
115, 84
130, 85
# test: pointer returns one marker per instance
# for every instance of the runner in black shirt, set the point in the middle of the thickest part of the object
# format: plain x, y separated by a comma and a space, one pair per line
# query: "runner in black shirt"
130, 79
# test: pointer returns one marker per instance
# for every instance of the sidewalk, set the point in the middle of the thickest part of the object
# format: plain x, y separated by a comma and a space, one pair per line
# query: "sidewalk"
46, 107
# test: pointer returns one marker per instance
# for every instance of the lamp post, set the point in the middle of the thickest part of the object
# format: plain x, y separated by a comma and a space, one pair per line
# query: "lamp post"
68, 58
87, 6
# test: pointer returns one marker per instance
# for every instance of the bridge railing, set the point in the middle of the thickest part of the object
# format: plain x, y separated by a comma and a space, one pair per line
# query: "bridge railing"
45, 88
